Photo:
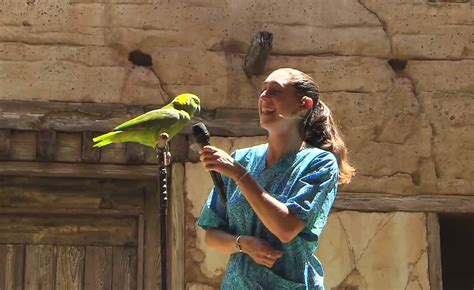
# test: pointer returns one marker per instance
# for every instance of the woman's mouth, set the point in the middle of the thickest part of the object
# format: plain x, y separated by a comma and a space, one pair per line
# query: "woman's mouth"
267, 111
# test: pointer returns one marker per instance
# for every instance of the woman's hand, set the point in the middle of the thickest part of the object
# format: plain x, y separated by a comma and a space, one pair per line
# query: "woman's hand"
218, 160
260, 251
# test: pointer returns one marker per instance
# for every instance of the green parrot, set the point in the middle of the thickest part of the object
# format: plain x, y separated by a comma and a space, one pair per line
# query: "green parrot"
147, 128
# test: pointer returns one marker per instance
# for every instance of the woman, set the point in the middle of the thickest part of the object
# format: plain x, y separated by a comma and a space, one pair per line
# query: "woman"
279, 194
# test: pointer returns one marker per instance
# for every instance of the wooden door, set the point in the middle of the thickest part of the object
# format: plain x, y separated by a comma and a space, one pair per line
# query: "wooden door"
71, 234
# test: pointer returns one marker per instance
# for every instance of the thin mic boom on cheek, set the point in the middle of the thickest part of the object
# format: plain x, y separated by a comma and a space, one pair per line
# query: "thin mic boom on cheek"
292, 116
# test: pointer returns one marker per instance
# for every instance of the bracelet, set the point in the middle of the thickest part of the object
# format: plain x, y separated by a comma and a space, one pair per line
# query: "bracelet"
237, 244
242, 177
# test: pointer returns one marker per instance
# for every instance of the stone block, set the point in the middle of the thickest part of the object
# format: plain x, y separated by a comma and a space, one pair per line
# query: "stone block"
334, 74
375, 251
454, 42
443, 76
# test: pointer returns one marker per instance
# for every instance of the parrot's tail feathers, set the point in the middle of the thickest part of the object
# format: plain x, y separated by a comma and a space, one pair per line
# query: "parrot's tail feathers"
102, 143
104, 136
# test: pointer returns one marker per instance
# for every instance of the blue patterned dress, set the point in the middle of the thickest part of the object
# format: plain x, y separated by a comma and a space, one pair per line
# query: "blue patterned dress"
306, 182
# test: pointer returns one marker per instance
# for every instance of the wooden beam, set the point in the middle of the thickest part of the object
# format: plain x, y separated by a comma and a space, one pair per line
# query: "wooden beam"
46, 145
5, 144
70, 211
434, 252
56, 169
382, 202
79, 117
177, 214
89, 153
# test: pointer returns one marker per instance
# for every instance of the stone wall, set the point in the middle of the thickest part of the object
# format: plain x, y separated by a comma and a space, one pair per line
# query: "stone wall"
396, 73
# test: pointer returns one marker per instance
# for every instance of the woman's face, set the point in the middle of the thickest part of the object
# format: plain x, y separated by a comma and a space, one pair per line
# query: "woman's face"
278, 105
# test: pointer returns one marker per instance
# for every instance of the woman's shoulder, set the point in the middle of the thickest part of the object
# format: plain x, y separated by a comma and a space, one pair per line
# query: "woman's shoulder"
248, 152
314, 155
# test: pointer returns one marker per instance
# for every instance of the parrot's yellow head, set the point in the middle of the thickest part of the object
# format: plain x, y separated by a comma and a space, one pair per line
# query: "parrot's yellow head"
187, 102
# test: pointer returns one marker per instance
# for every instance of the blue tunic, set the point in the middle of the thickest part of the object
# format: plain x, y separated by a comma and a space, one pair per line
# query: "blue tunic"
306, 182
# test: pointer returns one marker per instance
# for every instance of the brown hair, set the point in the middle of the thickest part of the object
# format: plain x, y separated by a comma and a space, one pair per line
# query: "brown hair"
319, 128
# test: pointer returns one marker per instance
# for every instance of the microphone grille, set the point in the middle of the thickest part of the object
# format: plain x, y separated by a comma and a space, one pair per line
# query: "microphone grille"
201, 134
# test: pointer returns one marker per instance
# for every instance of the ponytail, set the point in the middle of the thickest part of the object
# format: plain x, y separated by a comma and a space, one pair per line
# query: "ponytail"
319, 128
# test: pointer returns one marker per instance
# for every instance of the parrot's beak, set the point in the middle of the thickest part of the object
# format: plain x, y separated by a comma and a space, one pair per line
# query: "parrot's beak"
198, 111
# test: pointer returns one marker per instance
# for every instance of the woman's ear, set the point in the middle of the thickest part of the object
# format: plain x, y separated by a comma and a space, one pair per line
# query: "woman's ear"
306, 103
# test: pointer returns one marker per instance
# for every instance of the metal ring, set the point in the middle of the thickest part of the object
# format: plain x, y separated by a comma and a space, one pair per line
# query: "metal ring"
269, 255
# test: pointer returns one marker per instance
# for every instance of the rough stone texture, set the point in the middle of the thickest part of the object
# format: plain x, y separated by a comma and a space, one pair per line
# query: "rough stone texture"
409, 130
375, 251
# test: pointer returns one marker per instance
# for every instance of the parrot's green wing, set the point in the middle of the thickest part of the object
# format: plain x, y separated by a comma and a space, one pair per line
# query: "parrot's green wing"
163, 118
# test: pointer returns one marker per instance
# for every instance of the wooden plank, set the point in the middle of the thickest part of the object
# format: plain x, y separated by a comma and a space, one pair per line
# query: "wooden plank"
68, 230
152, 257
79, 117
124, 268
70, 268
72, 194
5, 144
434, 252
39, 267
114, 153
62, 116
382, 202
68, 147
56, 169
179, 149
141, 251
89, 153
23, 145
69, 211
46, 145
11, 266
135, 153
98, 268
177, 214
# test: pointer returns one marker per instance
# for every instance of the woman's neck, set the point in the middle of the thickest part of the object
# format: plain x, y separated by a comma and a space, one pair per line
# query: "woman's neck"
280, 145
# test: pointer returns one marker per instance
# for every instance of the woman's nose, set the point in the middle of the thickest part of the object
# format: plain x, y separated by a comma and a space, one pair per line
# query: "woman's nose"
264, 95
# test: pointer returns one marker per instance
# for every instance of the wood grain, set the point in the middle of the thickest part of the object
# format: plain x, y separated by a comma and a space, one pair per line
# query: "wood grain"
46, 145
98, 268
12, 265
23, 145
176, 218
71, 193
68, 230
382, 202
140, 251
70, 268
152, 270
124, 268
89, 153
434, 252
56, 169
39, 267
68, 147
5, 144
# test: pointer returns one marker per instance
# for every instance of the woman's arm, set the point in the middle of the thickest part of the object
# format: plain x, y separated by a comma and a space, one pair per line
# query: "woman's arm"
259, 250
273, 214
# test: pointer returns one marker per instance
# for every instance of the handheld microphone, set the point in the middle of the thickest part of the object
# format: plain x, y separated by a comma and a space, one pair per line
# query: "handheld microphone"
201, 135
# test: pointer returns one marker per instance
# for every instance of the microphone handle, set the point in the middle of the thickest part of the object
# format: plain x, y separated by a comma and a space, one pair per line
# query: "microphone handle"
219, 184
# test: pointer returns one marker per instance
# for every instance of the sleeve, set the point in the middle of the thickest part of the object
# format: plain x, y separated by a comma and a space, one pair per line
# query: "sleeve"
313, 195
213, 213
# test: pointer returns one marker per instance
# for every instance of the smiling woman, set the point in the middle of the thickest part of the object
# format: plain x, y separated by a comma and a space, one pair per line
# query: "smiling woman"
279, 194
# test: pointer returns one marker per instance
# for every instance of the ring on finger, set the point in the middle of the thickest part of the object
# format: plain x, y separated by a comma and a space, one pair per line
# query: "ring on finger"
269, 255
